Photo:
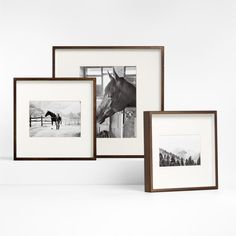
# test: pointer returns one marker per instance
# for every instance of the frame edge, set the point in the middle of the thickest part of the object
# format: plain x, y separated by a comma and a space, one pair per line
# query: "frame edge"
148, 117
147, 152
15, 158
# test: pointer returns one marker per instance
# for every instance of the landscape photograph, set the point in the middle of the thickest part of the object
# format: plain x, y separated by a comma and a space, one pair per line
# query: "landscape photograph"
179, 150
55, 119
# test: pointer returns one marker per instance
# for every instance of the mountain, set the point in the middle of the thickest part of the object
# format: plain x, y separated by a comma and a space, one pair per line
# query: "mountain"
35, 111
165, 153
186, 154
181, 153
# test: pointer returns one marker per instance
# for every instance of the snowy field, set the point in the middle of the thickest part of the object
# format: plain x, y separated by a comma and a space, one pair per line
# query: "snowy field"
51, 131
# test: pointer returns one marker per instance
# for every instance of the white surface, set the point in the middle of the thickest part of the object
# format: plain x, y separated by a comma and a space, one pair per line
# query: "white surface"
187, 176
101, 171
148, 86
114, 210
200, 55
55, 91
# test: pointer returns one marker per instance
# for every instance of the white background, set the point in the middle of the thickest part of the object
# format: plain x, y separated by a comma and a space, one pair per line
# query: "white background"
200, 55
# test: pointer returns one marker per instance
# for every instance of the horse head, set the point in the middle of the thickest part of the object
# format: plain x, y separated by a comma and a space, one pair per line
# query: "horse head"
119, 94
47, 113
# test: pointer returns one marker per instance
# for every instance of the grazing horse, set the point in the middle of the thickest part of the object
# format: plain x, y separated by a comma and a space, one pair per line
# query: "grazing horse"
119, 94
54, 118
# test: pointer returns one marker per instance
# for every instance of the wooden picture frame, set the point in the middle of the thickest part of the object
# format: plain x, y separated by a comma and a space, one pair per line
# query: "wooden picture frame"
167, 170
125, 127
62, 135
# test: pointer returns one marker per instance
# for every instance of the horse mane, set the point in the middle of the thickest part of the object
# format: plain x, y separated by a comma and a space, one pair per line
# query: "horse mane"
50, 114
127, 88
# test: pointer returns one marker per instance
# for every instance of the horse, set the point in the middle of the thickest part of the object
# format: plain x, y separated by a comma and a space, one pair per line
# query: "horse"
54, 118
119, 94
58, 121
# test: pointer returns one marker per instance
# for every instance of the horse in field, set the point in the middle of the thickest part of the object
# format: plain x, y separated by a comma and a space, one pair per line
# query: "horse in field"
119, 94
54, 118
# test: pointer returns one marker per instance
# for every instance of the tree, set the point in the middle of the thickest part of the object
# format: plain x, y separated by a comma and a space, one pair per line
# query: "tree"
161, 159
168, 160
172, 162
186, 162
190, 161
199, 161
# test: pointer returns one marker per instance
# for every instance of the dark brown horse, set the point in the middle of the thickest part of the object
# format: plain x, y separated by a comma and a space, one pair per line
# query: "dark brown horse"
54, 118
119, 94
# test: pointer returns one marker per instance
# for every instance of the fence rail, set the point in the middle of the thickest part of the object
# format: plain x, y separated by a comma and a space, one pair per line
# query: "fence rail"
45, 120
41, 119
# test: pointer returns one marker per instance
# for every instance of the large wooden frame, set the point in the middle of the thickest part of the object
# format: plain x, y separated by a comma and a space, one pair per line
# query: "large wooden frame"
93, 120
78, 49
148, 132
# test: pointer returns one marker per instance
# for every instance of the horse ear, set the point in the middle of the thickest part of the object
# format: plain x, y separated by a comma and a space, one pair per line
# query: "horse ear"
116, 75
111, 76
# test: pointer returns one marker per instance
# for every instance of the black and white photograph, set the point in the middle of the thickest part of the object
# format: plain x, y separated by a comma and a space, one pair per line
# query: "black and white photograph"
116, 100
179, 150
55, 118
129, 81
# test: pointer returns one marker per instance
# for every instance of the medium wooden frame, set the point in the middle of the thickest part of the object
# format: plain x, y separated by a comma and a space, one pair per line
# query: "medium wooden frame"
94, 151
161, 48
149, 145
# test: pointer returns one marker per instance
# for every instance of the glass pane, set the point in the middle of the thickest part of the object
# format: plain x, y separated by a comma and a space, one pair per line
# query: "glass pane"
130, 70
98, 80
107, 69
99, 91
106, 80
93, 71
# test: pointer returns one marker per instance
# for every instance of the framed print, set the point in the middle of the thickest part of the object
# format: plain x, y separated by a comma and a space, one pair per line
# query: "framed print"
130, 80
54, 119
180, 150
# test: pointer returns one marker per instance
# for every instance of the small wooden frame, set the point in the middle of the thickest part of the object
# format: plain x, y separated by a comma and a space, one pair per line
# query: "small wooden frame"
67, 131
180, 150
